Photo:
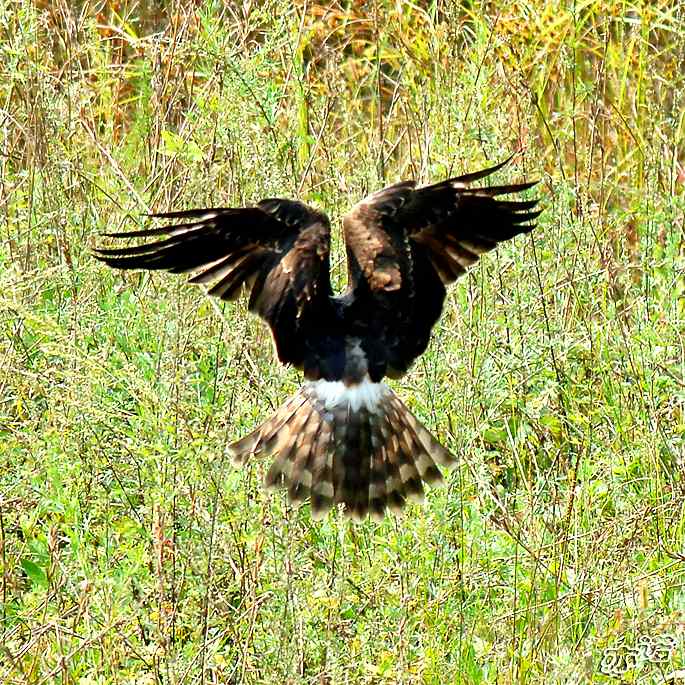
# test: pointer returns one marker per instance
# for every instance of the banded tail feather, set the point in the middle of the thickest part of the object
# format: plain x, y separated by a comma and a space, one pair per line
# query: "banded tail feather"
355, 445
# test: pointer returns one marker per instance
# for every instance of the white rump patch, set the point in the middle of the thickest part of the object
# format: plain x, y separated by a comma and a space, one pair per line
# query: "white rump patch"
365, 394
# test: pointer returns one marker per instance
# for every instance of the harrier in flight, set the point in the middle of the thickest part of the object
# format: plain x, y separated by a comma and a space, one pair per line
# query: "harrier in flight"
345, 437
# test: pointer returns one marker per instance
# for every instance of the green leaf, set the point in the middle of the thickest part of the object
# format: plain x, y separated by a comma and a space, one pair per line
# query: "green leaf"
35, 572
551, 423
174, 145
495, 434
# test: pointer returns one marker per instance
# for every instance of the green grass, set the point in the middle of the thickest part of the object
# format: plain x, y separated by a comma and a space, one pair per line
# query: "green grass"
131, 551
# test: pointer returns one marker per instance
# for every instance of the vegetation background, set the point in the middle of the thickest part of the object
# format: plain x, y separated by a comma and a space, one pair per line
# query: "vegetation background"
131, 551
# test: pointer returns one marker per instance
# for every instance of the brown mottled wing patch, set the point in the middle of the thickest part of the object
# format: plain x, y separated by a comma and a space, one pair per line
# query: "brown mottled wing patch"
279, 250
370, 244
297, 272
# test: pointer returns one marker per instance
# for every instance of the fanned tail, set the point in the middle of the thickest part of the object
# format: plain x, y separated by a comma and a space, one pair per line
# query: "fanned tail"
354, 445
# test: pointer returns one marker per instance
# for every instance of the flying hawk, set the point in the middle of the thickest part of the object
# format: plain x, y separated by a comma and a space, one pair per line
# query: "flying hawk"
345, 436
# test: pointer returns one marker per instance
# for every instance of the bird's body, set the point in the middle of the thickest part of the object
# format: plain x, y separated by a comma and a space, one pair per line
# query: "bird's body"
344, 437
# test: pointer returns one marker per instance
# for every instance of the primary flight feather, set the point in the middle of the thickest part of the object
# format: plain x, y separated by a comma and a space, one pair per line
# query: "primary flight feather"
344, 437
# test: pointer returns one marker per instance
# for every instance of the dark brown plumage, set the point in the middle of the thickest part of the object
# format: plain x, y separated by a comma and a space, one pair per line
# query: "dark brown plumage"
345, 437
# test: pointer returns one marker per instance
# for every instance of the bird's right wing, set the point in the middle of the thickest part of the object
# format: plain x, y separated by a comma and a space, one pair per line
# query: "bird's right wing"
279, 249
405, 244
458, 223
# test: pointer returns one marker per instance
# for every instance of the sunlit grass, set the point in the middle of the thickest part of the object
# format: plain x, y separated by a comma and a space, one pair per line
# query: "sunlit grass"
133, 552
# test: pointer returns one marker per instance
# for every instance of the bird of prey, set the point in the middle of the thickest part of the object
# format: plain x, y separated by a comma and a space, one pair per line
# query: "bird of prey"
345, 437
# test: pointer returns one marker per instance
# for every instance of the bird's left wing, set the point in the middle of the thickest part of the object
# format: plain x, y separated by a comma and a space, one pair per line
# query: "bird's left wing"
279, 249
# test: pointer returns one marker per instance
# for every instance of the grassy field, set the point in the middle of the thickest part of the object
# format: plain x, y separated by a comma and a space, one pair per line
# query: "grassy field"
131, 551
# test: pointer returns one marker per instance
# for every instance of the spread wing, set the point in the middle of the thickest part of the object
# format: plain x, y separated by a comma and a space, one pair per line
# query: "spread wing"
405, 244
279, 250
